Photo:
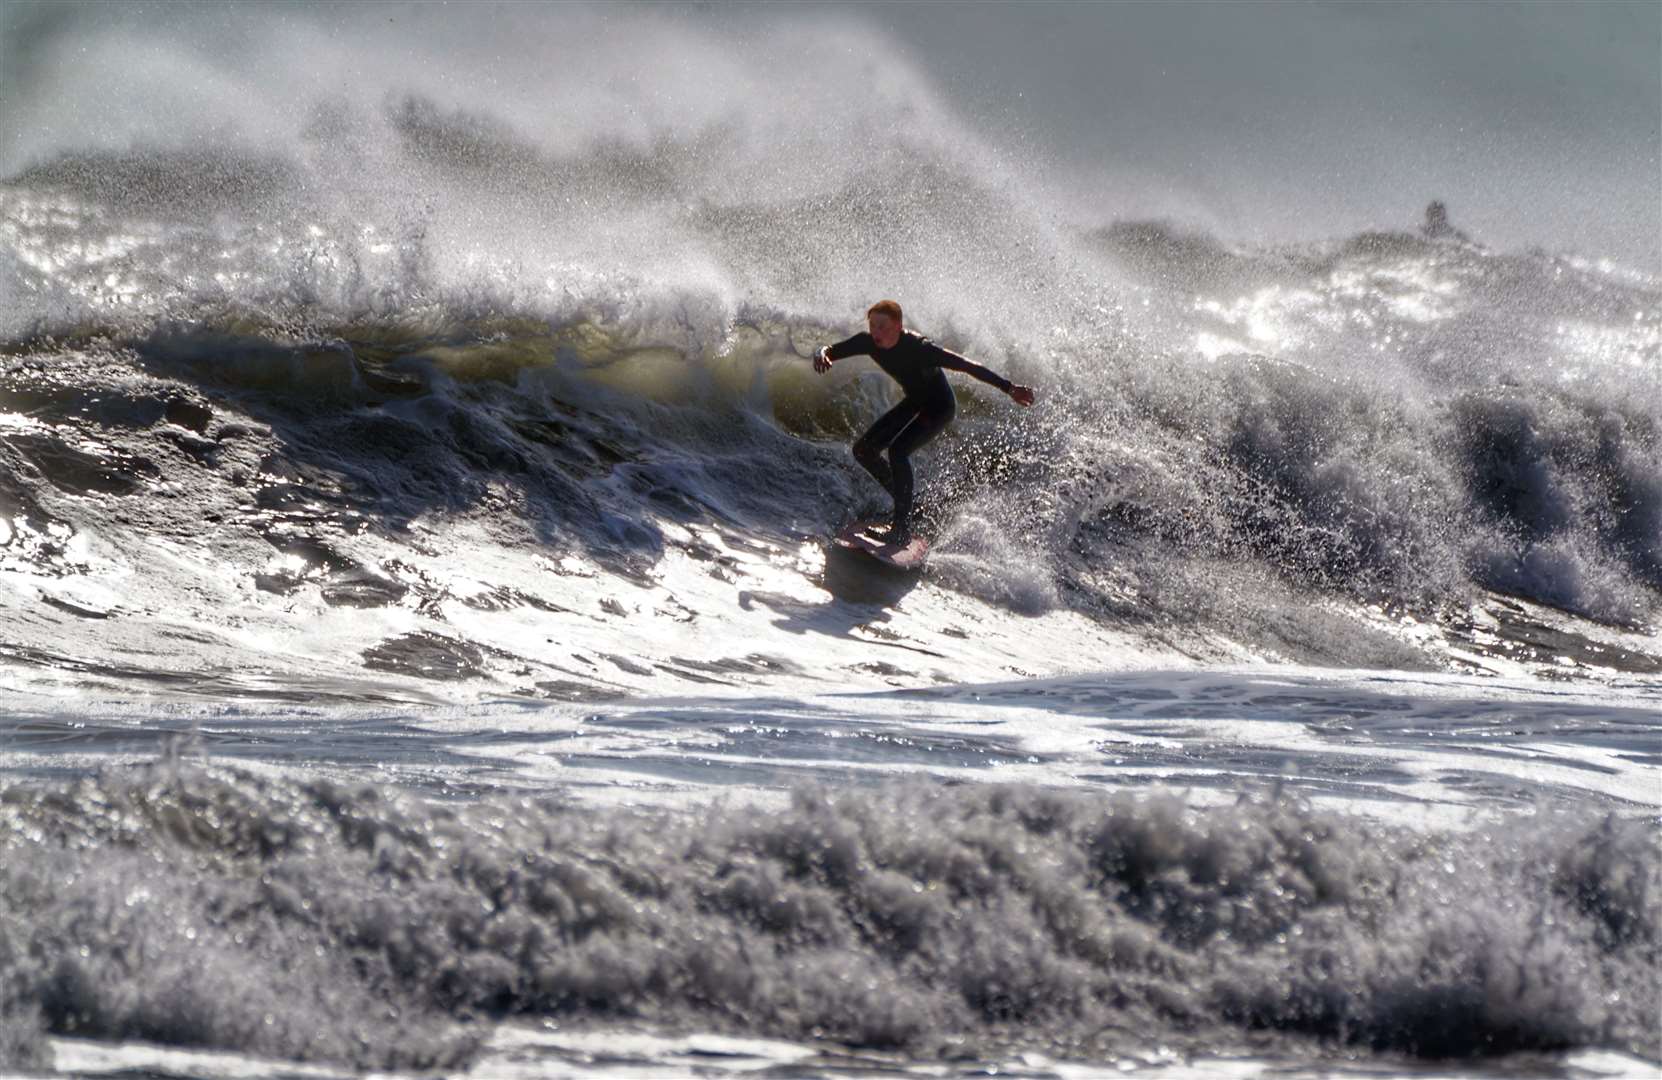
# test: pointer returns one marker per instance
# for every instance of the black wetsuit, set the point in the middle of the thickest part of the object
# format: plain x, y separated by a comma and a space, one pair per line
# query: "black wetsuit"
916, 363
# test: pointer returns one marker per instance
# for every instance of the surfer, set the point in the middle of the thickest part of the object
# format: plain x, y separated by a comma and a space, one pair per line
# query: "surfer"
916, 363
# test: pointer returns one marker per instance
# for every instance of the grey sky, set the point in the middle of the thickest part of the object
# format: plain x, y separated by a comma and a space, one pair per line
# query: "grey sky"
1538, 122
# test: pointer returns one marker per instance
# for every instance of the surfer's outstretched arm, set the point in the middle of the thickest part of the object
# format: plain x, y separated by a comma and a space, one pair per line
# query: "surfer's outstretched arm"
951, 360
860, 344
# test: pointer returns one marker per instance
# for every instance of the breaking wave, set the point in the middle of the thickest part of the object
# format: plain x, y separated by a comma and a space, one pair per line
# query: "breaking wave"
210, 908
403, 296
1393, 420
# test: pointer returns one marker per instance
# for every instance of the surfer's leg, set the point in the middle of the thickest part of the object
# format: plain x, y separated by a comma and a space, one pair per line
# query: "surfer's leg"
924, 427
868, 448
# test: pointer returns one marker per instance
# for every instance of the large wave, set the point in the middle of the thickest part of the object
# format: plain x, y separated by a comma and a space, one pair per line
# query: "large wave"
579, 310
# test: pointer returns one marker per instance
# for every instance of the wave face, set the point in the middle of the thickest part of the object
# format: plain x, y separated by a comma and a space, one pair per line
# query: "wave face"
315, 921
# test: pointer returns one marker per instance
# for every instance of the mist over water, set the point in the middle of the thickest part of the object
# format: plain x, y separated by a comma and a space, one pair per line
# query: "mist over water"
1540, 123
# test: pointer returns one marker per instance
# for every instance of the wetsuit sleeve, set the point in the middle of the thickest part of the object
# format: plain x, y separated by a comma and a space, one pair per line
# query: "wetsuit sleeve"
946, 358
858, 345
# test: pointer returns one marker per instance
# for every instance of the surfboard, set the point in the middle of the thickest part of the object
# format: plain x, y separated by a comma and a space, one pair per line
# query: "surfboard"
907, 557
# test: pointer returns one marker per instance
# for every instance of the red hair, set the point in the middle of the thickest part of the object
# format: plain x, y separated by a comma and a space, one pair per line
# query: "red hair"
886, 307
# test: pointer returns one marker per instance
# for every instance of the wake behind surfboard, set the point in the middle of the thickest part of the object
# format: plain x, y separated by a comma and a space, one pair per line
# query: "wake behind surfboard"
858, 537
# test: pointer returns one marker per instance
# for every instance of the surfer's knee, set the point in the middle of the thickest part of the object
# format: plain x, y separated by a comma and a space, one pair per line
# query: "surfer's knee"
866, 453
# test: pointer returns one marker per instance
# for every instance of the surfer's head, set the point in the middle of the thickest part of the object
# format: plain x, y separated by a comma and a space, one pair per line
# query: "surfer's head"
884, 320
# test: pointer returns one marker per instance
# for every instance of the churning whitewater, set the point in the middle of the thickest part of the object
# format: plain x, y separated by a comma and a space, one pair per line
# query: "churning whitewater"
420, 647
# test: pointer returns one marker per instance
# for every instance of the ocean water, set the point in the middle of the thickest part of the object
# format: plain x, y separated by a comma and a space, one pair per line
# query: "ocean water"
420, 648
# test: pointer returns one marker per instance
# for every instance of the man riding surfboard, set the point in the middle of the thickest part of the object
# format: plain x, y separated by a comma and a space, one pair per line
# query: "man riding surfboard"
916, 363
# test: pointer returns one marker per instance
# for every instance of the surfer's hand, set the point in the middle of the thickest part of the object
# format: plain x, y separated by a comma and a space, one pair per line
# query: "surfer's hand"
822, 360
1022, 394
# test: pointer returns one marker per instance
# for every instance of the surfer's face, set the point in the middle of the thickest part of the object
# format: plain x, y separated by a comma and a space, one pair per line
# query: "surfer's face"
884, 330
